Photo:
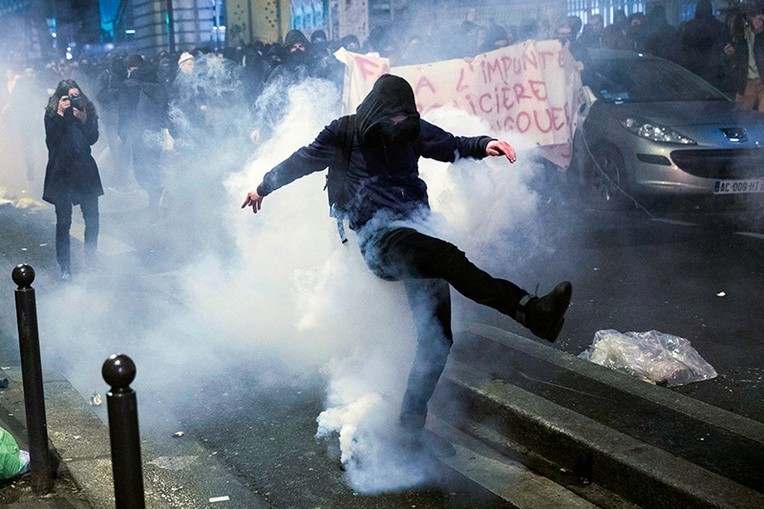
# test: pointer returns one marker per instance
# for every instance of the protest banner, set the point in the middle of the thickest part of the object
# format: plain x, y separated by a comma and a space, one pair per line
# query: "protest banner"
529, 93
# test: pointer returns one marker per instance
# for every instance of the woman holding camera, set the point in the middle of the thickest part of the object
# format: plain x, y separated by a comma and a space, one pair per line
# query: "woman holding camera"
71, 176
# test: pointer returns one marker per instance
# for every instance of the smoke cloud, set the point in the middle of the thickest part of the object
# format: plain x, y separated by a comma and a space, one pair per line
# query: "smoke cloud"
278, 287
340, 308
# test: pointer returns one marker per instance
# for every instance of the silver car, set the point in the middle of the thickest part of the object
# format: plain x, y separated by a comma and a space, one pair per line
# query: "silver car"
653, 130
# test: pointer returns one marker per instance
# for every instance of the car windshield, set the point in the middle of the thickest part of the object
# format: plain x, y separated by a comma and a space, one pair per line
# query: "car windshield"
647, 80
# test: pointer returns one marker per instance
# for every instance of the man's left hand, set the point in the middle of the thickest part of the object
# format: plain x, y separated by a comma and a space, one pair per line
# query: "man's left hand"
501, 148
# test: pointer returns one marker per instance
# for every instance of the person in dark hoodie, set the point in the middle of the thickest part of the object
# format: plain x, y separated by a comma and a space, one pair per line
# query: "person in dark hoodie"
658, 37
295, 60
295, 66
701, 44
384, 198
71, 175
496, 37
142, 115
108, 82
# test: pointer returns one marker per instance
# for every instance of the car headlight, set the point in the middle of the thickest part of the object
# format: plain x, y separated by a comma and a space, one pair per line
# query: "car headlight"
655, 132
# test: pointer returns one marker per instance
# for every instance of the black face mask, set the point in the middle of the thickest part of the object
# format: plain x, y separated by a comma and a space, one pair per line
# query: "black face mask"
297, 57
389, 132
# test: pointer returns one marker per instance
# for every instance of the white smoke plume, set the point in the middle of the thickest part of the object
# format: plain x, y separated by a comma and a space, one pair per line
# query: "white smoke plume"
285, 291
22, 134
365, 322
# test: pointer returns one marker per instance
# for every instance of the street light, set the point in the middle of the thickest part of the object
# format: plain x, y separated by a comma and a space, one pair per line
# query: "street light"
170, 20
216, 21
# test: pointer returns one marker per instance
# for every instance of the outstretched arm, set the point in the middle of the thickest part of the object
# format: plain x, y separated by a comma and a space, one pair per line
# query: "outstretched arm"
501, 148
306, 160
253, 200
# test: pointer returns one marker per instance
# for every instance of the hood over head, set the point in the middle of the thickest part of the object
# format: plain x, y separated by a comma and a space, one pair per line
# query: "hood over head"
496, 33
704, 9
293, 37
388, 113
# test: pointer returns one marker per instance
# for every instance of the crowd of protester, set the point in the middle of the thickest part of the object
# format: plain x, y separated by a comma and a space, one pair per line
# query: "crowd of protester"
728, 53
193, 99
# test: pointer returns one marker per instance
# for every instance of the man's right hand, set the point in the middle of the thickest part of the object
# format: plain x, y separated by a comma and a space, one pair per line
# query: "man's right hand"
253, 200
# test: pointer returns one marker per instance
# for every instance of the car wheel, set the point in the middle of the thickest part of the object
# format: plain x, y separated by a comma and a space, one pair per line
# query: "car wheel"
606, 178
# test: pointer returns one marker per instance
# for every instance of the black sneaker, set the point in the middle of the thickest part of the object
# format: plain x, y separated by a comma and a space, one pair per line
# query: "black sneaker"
544, 316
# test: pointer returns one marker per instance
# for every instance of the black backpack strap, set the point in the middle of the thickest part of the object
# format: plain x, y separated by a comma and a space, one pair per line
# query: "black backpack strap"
341, 162
335, 179
348, 131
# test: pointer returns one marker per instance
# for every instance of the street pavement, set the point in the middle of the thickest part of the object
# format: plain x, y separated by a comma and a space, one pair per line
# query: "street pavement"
77, 430
517, 395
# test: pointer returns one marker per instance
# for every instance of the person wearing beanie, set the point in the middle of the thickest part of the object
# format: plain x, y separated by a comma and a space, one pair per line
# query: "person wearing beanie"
318, 36
186, 63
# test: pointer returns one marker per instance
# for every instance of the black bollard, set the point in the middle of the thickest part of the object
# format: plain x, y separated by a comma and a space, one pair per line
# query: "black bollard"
119, 372
31, 373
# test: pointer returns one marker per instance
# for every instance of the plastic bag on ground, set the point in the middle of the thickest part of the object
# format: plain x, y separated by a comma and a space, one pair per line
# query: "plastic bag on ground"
12, 461
653, 356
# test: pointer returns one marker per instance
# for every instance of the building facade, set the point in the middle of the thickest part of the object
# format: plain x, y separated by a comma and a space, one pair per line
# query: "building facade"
182, 24
677, 11
269, 20
151, 25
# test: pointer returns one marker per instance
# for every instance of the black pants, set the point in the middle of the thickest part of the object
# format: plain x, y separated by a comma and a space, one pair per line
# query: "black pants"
428, 265
89, 208
144, 152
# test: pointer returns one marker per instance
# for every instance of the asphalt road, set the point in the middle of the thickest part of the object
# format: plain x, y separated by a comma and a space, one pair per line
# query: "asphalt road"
691, 274
688, 274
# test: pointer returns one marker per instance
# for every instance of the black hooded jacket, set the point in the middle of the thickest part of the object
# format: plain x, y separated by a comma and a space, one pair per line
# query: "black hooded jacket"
294, 67
383, 172
142, 104
702, 42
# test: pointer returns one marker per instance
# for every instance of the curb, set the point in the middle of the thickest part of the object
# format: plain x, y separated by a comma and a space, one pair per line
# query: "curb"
641, 472
81, 440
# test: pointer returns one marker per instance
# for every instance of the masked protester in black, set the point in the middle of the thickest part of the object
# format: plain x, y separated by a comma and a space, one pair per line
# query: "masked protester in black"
385, 194
71, 175
296, 65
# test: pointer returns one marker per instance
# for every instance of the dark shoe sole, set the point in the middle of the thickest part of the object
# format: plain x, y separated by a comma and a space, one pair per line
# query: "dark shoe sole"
550, 333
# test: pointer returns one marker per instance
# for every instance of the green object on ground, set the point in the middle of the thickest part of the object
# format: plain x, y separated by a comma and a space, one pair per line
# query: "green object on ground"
10, 460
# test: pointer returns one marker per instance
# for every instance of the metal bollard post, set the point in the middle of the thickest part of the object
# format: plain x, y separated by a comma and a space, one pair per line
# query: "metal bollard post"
31, 374
119, 372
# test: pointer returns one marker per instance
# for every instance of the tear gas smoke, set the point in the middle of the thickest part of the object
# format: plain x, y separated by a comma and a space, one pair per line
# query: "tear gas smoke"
281, 289
351, 313
22, 133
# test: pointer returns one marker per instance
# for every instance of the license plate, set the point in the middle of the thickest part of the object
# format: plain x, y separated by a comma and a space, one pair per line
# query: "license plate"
739, 186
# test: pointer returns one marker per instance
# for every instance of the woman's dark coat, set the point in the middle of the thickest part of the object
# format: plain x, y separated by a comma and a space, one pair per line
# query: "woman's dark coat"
71, 172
